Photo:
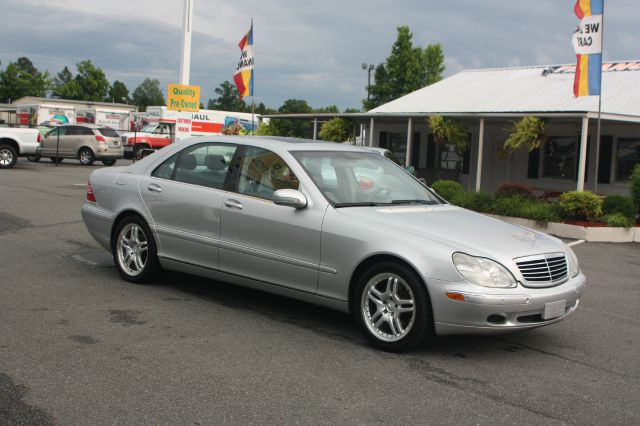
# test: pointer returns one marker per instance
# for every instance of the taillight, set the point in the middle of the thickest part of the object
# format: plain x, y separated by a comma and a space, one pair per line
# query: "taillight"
90, 196
100, 139
39, 137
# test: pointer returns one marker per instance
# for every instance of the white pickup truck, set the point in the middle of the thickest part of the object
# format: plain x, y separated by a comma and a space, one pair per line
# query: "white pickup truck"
17, 142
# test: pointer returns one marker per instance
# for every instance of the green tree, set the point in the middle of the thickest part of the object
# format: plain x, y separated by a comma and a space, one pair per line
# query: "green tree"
65, 86
336, 130
22, 78
263, 109
407, 69
228, 99
148, 93
295, 128
119, 93
331, 109
92, 82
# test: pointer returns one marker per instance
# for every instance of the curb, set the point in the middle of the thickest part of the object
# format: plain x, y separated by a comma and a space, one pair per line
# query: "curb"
602, 234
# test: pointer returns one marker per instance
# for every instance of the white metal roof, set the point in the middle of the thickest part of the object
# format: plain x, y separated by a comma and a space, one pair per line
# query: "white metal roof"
524, 90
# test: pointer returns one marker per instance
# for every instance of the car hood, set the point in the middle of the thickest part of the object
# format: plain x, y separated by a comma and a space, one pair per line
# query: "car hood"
459, 229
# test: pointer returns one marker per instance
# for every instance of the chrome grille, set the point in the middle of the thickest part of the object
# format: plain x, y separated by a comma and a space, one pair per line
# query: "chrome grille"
543, 270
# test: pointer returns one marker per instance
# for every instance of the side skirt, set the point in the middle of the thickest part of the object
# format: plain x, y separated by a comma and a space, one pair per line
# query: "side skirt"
174, 265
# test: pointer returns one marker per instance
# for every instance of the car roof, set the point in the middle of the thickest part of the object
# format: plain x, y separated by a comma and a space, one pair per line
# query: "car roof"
89, 125
278, 143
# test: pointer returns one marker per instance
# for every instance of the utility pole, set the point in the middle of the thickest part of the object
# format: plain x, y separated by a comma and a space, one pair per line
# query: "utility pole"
185, 64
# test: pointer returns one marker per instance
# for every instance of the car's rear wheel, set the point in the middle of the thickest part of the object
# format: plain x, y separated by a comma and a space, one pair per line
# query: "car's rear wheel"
109, 162
56, 159
86, 157
134, 251
391, 307
8, 156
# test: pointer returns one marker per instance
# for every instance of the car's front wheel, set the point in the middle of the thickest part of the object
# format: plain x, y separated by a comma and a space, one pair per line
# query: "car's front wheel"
134, 251
109, 162
33, 158
391, 307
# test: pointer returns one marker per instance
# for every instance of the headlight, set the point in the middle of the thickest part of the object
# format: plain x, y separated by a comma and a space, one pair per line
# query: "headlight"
574, 266
483, 271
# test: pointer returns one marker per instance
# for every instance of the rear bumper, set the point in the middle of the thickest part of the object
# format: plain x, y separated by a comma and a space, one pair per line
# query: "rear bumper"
107, 152
98, 222
488, 310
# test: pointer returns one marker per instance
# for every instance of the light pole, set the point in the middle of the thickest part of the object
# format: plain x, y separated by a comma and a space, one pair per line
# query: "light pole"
369, 68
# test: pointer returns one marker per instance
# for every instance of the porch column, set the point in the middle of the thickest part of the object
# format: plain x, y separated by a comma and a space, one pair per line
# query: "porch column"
480, 151
371, 124
583, 153
315, 129
407, 158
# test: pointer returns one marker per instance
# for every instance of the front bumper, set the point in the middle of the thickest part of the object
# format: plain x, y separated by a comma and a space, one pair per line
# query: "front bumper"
498, 310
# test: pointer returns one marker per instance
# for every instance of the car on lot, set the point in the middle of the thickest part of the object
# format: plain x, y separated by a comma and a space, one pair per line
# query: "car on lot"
331, 224
85, 142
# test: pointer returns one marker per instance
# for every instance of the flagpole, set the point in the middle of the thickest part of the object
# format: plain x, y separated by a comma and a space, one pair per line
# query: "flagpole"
595, 178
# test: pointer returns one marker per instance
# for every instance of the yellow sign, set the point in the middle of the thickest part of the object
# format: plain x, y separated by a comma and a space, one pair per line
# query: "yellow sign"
183, 98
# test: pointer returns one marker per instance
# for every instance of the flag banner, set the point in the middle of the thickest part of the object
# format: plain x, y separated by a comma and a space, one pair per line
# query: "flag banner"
243, 77
587, 44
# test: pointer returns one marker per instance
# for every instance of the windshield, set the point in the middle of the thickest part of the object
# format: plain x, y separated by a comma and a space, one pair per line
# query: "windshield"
362, 179
149, 128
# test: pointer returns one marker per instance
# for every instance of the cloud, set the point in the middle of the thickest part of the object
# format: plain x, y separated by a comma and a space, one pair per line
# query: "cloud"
310, 51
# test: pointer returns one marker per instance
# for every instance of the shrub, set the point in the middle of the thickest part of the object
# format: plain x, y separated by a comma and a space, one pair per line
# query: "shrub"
509, 206
580, 205
510, 189
618, 220
447, 189
540, 211
618, 204
476, 201
634, 181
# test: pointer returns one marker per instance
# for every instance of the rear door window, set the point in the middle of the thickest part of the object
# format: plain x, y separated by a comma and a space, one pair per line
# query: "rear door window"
108, 132
202, 164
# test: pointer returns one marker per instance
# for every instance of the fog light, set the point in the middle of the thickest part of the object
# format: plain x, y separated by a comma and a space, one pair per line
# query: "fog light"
455, 296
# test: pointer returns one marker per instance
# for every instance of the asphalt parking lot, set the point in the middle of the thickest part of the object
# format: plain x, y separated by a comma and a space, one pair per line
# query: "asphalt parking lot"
78, 345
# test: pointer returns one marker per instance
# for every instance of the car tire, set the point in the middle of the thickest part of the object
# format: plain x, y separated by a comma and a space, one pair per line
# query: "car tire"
138, 150
56, 159
134, 251
8, 156
86, 157
33, 158
110, 162
391, 306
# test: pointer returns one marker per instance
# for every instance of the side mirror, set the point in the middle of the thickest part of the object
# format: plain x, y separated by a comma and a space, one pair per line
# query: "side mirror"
423, 181
290, 198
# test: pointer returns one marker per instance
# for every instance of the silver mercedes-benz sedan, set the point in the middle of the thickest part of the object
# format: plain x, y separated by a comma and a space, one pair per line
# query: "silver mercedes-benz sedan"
330, 224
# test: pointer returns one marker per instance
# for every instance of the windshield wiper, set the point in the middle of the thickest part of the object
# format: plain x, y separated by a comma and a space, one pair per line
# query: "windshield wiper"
361, 204
414, 202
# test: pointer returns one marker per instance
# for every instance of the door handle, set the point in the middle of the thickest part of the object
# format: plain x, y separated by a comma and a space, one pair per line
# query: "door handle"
233, 204
154, 188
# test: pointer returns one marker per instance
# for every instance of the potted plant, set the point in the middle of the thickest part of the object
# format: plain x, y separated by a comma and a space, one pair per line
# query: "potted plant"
449, 131
529, 131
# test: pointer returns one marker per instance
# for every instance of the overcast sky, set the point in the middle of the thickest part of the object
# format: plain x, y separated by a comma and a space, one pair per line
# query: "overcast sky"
305, 50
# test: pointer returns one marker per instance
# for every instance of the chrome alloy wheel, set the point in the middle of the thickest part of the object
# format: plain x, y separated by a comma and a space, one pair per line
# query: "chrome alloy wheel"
132, 249
86, 157
388, 307
6, 156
